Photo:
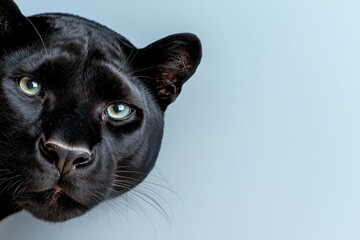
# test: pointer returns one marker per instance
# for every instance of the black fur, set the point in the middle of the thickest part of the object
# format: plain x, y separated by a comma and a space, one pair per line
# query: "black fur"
83, 67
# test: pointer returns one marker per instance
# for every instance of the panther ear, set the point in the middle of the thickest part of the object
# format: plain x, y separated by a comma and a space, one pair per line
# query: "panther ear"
13, 26
10, 17
166, 64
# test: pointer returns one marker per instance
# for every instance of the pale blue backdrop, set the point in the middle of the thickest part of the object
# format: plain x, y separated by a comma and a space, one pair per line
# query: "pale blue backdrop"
264, 141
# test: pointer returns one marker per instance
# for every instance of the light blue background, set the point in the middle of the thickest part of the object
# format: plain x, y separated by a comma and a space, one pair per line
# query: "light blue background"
263, 142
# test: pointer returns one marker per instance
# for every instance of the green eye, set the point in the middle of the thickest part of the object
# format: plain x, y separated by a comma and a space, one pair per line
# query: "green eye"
29, 86
118, 111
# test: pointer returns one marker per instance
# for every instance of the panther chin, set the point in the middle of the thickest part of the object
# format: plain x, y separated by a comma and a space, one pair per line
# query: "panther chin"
52, 205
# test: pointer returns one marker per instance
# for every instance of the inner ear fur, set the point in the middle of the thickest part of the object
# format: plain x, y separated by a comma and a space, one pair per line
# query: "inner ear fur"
167, 64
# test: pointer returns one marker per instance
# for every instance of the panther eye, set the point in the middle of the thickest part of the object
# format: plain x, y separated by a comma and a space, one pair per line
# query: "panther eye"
29, 86
118, 111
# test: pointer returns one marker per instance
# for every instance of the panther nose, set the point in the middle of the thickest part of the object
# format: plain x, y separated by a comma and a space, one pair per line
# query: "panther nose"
65, 157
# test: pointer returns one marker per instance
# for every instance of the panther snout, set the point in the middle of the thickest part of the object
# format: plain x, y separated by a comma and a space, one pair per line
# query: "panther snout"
66, 158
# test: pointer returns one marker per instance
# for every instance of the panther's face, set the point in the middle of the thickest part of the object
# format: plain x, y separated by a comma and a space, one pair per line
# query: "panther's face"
81, 110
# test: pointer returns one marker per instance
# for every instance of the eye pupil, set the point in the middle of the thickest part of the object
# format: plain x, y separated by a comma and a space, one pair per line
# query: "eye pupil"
118, 108
31, 84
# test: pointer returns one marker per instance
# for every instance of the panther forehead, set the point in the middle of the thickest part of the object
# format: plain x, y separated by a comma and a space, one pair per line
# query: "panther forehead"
71, 29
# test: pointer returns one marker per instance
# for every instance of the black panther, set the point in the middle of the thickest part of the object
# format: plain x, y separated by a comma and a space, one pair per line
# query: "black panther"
81, 110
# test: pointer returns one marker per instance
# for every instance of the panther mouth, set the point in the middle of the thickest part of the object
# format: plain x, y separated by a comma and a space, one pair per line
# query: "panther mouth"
51, 205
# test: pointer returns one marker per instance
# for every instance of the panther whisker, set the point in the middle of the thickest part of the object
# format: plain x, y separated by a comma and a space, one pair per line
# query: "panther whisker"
9, 183
127, 62
19, 189
152, 201
38, 34
142, 69
145, 182
120, 173
115, 208
97, 196
15, 184
136, 206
